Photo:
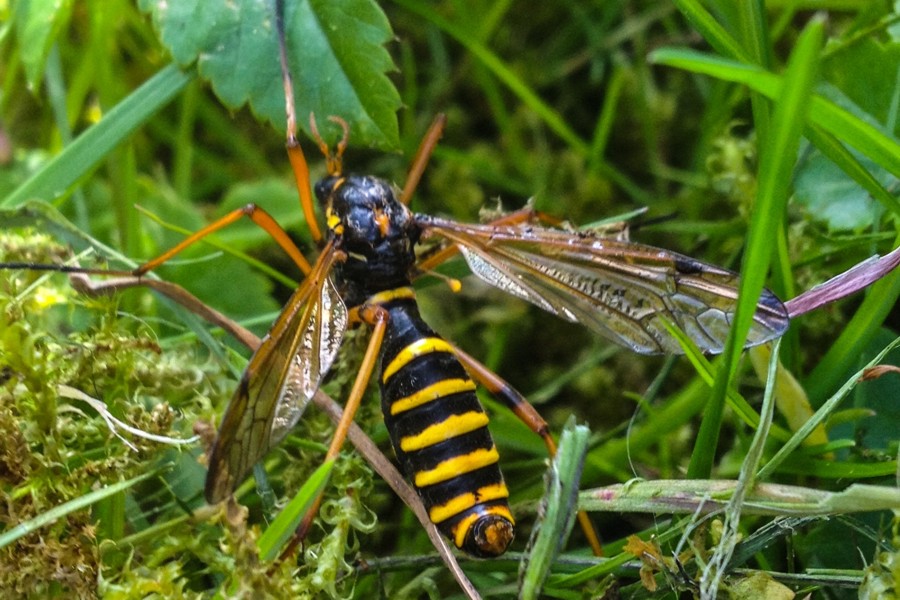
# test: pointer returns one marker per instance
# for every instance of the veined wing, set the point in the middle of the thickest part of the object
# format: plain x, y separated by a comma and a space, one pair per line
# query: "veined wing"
621, 290
281, 378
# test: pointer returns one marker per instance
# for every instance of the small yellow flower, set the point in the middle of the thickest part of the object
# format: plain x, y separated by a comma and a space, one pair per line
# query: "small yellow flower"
45, 297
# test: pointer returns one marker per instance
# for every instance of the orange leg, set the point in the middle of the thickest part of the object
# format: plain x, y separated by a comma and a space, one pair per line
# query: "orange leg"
301, 177
423, 154
517, 217
377, 317
295, 153
526, 413
255, 214
298, 160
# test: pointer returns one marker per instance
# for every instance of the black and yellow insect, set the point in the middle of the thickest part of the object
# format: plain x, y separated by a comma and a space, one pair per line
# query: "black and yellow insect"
626, 292
622, 290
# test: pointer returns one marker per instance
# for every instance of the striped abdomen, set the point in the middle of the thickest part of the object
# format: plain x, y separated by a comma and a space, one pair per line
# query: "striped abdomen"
439, 432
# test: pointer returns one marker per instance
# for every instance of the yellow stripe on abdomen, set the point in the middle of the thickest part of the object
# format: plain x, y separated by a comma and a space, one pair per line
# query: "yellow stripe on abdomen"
456, 466
420, 347
432, 393
451, 427
464, 502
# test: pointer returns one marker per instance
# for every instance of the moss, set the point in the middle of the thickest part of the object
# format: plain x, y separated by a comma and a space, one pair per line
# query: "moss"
54, 449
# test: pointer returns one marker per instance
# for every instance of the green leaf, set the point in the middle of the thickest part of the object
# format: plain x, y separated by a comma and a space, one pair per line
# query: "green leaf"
831, 197
858, 172
335, 50
827, 408
837, 191
878, 398
765, 224
710, 29
38, 23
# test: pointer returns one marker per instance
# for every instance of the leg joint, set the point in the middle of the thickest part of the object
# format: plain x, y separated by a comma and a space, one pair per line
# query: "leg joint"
373, 314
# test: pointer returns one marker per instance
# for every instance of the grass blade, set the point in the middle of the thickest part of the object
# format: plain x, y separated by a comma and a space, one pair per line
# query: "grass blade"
11, 535
80, 157
772, 195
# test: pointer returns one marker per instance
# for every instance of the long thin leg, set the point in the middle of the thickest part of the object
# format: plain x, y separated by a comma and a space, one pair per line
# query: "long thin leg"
255, 214
301, 177
294, 152
423, 154
91, 287
526, 413
517, 217
377, 317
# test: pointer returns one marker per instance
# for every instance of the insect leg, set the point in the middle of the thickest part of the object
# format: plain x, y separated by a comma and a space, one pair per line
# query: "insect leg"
528, 214
294, 152
529, 415
517, 217
93, 287
301, 177
377, 317
420, 160
255, 214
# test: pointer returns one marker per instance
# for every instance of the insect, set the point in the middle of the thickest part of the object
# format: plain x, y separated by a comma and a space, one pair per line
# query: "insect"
364, 274
621, 290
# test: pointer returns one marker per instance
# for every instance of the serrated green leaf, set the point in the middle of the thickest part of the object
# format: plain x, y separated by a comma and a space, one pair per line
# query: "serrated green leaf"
38, 22
335, 49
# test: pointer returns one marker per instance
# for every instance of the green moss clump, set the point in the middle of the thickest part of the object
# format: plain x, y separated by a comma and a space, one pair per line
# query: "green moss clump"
55, 449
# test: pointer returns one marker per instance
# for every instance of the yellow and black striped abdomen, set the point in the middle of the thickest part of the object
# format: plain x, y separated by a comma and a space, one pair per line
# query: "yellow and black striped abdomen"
439, 432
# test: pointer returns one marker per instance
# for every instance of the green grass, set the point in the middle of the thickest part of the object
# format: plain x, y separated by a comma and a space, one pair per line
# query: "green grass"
767, 141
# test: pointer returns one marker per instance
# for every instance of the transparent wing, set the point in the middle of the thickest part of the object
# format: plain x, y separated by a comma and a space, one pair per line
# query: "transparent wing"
281, 378
621, 290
